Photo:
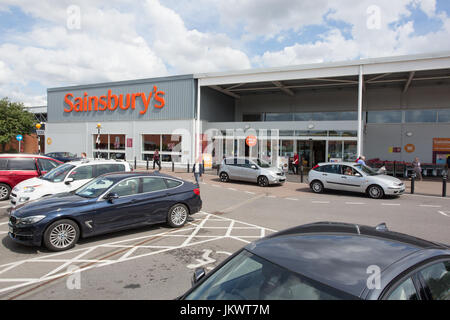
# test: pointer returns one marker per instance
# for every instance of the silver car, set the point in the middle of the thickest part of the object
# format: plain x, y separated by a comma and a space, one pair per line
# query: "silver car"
349, 176
250, 169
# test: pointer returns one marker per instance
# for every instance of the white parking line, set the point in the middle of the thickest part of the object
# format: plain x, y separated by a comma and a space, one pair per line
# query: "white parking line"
272, 197
429, 206
232, 189
249, 192
322, 202
3, 223
390, 204
444, 214
352, 203
7, 206
293, 199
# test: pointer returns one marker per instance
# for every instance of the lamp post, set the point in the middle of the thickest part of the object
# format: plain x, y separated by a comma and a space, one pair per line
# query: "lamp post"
38, 126
99, 126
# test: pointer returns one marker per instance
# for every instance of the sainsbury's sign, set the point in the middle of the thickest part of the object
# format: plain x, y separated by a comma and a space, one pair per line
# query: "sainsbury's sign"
112, 101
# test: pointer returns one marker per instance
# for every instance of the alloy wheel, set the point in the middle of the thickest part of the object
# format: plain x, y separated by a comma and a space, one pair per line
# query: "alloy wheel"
3, 192
178, 215
63, 236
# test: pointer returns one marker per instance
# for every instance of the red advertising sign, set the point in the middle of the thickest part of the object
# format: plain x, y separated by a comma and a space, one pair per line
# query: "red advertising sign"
251, 141
129, 142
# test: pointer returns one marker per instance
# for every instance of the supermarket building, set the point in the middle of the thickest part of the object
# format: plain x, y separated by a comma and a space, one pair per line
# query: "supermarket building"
388, 108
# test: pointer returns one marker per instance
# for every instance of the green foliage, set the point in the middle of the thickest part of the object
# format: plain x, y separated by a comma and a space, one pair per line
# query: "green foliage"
14, 120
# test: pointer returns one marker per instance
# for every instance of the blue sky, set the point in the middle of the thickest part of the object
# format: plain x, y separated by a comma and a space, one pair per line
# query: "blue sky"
117, 40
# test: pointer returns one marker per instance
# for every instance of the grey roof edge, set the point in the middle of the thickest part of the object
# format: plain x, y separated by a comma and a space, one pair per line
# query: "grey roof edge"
324, 65
124, 82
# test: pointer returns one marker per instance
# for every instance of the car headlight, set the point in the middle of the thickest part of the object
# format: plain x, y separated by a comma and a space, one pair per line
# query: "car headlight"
30, 220
30, 188
24, 199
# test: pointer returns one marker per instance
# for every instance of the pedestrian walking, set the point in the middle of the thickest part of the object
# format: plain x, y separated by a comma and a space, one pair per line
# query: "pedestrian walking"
417, 168
156, 159
196, 170
296, 163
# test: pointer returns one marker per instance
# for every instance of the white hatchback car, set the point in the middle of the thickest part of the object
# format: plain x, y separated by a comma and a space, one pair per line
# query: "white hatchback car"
349, 176
67, 177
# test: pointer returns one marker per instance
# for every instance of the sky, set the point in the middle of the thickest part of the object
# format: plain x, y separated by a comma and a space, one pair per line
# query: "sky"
46, 44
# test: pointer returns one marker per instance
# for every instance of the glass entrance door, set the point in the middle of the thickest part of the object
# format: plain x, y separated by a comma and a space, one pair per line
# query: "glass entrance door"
304, 152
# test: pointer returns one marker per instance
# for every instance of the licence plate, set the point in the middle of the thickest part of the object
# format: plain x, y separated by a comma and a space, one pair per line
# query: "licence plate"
11, 229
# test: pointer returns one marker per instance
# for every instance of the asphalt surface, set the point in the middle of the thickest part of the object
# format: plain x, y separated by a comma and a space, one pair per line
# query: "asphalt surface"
157, 262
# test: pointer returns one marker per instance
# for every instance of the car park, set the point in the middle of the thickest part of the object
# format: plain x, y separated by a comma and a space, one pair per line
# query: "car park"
330, 261
251, 170
67, 177
63, 156
354, 177
111, 202
15, 168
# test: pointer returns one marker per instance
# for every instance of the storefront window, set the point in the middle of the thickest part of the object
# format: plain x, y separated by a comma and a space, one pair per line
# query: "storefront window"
303, 116
335, 150
279, 116
151, 142
109, 142
117, 142
350, 150
252, 117
286, 133
169, 147
101, 143
384, 117
311, 133
342, 133
421, 116
287, 148
171, 142
444, 115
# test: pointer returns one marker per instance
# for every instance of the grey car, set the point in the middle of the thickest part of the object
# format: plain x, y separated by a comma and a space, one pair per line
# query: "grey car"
355, 177
252, 170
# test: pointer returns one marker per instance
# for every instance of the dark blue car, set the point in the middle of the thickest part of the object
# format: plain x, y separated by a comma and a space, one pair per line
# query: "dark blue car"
63, 156
111, 202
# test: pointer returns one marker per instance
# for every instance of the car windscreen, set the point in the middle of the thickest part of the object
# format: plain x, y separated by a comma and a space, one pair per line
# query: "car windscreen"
58, 174
95, 188
250, 277
367, 170
262, 163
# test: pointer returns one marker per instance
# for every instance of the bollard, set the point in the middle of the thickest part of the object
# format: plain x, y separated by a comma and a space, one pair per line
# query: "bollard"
301, 174
395, 170
203, 166
147, 163
413, 179
173, 166
188, 167
444, 185
135, 163
153, 164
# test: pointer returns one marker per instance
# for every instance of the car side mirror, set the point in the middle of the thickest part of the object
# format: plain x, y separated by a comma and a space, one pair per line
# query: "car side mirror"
111, 196
199, 273
253, 167
358, 175
69, 180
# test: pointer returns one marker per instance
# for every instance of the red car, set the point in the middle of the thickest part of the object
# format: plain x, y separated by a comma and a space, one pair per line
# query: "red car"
15, 168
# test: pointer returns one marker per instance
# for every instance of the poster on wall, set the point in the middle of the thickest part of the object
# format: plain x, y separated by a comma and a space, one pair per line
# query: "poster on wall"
441, 150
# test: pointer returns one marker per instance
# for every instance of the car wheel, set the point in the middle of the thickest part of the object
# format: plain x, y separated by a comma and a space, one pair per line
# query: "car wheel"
177, 215
5, 191
317, 186
61, 235
375, 192
224, 177
263, 181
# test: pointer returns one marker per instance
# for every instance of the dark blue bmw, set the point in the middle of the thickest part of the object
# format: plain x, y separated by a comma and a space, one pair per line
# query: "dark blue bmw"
111, 202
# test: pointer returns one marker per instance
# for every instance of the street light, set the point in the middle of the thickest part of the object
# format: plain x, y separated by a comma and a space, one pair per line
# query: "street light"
99, 126
38, 126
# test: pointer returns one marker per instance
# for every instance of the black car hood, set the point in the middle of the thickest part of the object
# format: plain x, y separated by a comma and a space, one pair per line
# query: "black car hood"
49, 204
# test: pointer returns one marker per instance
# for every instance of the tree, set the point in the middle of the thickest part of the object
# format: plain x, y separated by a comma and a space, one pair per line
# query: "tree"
14, 120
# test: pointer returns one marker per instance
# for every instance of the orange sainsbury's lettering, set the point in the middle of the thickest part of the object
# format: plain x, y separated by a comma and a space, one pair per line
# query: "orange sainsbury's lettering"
112, 102
68, 102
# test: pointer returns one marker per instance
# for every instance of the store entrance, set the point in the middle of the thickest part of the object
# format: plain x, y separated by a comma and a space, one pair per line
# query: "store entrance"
318, 151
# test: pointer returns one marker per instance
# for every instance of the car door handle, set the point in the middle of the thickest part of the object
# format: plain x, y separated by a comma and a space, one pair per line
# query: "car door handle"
324, 174
343, 177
